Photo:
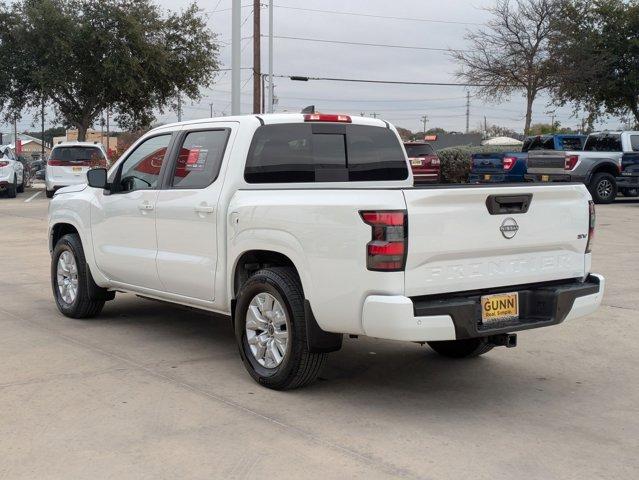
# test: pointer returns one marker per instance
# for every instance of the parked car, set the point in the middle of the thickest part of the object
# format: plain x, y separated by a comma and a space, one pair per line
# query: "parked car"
12, 177
598, 166
628, 181
69, 162
500, 167
302, 228
424, 162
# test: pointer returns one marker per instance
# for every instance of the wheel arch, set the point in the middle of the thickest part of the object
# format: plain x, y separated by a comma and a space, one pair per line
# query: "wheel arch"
605, 167
253, 260
59, 230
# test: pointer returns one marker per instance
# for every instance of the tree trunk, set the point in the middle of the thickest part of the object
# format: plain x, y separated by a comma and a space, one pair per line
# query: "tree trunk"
530, 98
82, 131
634, 108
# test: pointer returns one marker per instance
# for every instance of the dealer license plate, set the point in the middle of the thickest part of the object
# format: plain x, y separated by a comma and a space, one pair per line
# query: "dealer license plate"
487, 177
499, 307
416, 162
545, 178
77, 169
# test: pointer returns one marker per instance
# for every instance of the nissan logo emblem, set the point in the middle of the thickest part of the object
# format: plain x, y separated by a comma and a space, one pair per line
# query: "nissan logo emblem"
509, 228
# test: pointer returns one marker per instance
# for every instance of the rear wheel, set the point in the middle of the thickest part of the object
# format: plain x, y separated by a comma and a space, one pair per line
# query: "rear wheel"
20, 188
13, 188
270, 329
49, 193
630, 192
603, 188
466, 348
74, 290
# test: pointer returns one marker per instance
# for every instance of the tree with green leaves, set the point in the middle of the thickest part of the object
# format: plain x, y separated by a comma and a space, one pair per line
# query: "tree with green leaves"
510, 55
595, 57
84, 57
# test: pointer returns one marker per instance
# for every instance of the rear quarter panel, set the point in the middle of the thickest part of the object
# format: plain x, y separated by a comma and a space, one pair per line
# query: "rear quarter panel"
321, 231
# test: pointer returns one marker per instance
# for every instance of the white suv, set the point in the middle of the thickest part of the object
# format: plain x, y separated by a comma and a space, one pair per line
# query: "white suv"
11, 172
69, 163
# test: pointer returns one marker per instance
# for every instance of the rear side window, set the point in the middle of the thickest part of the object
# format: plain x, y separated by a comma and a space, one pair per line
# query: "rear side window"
303, 152
86, 155
198, 163
608, 142
415, 151
634, 142
538, 143
571, 143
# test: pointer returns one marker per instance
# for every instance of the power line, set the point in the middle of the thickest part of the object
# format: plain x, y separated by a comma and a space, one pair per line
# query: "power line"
385, 17
364, 44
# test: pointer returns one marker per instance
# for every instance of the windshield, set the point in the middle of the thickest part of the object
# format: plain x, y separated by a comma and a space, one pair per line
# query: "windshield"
603, 142
414, 151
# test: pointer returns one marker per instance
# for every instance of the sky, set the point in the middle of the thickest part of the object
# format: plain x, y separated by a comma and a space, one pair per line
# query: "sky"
422, 23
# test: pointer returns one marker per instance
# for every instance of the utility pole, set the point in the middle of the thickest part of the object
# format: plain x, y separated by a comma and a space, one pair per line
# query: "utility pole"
467, 111
485, 126
236, 56
257, 60
271, 94
424, 120
211, 107
552, 122
374, 114
15, 134
108, 148
42, 135
179, 107
263, 79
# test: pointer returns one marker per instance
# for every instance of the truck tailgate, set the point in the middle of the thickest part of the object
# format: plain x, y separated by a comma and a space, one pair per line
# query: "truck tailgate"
546, 161
455, 244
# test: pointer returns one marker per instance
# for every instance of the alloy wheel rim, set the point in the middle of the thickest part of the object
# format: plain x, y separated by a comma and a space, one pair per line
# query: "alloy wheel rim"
67, 276
604, 189
267, 329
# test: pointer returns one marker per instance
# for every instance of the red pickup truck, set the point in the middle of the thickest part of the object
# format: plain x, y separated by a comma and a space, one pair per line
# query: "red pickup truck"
424, 162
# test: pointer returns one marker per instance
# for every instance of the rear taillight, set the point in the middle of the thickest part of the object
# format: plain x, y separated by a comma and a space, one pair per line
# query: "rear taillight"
3, 164
388, 247
592, 218
54, 163
508, 162
571, 161
326, 117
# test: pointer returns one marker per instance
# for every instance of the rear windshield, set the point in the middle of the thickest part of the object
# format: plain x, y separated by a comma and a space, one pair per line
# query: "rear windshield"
538, 143
324, 152
571, 143
77, 154
415, 151
604, 142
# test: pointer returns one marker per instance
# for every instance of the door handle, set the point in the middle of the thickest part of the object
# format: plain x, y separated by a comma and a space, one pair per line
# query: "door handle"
145, 207
204, 209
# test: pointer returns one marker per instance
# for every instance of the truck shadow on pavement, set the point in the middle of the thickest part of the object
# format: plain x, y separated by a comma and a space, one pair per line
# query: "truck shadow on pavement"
199, 348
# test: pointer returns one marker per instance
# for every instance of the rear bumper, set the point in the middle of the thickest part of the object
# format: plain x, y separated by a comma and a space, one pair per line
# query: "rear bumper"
549, 177
426, 177
458, 316
628, 182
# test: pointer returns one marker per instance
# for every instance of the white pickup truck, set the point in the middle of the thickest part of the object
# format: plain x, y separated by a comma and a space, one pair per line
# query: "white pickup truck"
303, 228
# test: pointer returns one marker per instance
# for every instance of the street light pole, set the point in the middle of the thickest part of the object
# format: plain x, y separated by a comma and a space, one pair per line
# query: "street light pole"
271, 94
236, 57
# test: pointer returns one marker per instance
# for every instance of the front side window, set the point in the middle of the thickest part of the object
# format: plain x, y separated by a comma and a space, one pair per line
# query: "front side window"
198, 163
141, 169
290, 153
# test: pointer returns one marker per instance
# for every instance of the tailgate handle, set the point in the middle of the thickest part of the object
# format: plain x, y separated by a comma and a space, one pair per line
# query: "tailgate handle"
504, 204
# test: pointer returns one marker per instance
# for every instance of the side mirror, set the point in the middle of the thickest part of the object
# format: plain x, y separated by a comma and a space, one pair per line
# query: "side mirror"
97, 178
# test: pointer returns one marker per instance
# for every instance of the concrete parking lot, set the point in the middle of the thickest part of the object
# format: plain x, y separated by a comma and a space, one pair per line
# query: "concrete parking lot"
149, 390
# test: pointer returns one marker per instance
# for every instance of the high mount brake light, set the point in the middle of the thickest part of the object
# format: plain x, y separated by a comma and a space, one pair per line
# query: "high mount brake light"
571, 161
387, 250
326, 117
592, 220
508, 163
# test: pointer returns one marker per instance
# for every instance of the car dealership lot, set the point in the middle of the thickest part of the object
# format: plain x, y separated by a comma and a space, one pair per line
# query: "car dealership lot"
150, 390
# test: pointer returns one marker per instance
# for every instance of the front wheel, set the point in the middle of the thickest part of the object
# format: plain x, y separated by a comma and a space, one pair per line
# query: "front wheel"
270, 329
466, 348
71, 280
13, 188
49, 193
603, 188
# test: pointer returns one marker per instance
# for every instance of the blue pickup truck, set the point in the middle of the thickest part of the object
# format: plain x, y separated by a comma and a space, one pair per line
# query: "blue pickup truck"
628, 179
507, 167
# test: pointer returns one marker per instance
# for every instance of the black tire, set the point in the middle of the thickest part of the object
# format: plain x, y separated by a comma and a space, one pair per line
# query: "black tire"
20, 188
299, 366
12, 189
90, 298
630, 192
49, 193
466, 348
601, 194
